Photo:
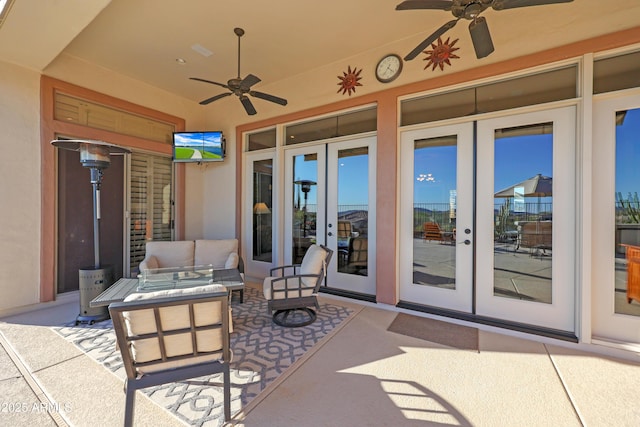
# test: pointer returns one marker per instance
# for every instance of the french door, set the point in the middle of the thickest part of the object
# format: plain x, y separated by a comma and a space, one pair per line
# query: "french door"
616, 230
330, 199
436, 255
488, 224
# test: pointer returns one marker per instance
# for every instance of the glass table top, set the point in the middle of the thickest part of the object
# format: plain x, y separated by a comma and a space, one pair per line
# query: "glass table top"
183, 277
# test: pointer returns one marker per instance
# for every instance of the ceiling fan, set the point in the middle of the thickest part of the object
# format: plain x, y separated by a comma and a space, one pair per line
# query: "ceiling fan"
470, 10
241, 87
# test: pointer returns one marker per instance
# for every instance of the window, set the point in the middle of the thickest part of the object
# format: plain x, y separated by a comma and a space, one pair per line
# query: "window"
261, 140
332, 127
616, 73
503, 95
150, 212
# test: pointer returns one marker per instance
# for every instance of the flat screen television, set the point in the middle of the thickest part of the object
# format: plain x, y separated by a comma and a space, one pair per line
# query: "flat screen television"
198, 147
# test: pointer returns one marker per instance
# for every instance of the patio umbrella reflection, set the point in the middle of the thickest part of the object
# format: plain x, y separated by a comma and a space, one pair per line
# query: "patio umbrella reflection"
538, 185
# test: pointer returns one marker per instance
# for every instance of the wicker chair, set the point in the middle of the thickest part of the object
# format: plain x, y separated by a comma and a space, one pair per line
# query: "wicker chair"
173, 335
633, 273
291, 289
432, 231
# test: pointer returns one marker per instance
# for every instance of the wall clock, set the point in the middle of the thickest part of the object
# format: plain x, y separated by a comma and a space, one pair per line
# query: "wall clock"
388, 68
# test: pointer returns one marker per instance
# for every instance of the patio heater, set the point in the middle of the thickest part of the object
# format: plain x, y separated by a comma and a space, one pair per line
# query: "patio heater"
306, 187
93, 280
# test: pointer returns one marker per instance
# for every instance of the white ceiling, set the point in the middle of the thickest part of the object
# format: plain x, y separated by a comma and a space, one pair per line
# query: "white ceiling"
284, 38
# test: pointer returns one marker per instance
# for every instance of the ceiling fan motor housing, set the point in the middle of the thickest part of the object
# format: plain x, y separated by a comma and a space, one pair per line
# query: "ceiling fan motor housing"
469, 9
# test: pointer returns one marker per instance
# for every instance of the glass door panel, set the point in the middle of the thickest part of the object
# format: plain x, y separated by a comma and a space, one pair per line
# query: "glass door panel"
525, 204
304, 200
627, 213
262, 207
523, 207
437, 217
351, 215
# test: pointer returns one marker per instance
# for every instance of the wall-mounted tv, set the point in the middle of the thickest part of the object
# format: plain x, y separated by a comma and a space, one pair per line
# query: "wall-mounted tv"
198, 147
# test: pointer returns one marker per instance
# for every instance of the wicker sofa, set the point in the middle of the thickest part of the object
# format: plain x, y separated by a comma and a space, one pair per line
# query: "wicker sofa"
222, 253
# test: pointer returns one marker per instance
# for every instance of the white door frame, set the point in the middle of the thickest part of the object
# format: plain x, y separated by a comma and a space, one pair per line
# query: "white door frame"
460, 298
352, 282
256, 268
607, 325
560, 313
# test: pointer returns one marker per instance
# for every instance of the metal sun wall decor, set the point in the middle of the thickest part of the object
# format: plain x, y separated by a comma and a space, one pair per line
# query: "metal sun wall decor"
441, 54
349, 80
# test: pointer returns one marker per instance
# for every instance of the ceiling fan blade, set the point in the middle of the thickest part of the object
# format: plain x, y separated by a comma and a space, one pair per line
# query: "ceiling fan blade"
214, 98
512, 4
425, 4
248, 106
249, 81
481, 37
268, 97
432, 38
209, 81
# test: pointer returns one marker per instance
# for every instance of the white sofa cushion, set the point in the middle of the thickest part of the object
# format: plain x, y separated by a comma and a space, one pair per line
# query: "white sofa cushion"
222, 253
172, 318
177, 253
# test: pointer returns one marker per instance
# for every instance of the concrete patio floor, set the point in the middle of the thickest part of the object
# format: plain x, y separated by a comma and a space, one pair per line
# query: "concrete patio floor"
361, 375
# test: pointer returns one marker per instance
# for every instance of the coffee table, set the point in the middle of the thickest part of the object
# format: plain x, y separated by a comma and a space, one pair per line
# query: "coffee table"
171, 278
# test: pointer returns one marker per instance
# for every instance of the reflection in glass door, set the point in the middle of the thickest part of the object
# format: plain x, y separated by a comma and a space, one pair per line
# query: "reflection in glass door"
304, 201
525, 219
627, 213
523, 213
262, 210
616, 219
351, 216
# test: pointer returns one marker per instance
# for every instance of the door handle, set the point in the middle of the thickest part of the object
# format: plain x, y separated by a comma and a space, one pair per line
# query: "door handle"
466, 242
330, 234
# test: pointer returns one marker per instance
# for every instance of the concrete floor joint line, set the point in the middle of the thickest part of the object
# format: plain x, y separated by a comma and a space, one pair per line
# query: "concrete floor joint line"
31, 381
564, 386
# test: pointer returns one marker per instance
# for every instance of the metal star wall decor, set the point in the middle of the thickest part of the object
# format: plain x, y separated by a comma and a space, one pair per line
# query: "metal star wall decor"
441, 54
349, 80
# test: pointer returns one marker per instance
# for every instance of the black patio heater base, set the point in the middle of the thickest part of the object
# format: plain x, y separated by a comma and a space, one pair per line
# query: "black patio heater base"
92, 282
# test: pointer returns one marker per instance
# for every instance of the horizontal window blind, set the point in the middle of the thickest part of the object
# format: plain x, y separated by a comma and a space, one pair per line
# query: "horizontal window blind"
150, 212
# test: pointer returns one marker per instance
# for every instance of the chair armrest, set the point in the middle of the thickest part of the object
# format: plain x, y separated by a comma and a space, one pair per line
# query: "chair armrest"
295, 276
148, 263
281, 269
232, 260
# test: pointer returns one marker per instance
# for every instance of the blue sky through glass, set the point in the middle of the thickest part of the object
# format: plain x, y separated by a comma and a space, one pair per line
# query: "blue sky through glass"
628, 154
516, 159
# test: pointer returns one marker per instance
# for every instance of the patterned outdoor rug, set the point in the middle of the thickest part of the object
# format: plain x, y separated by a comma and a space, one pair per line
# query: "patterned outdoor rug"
262, 351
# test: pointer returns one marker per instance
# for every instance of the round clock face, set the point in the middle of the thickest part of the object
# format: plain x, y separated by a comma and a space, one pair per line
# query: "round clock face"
389, 68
